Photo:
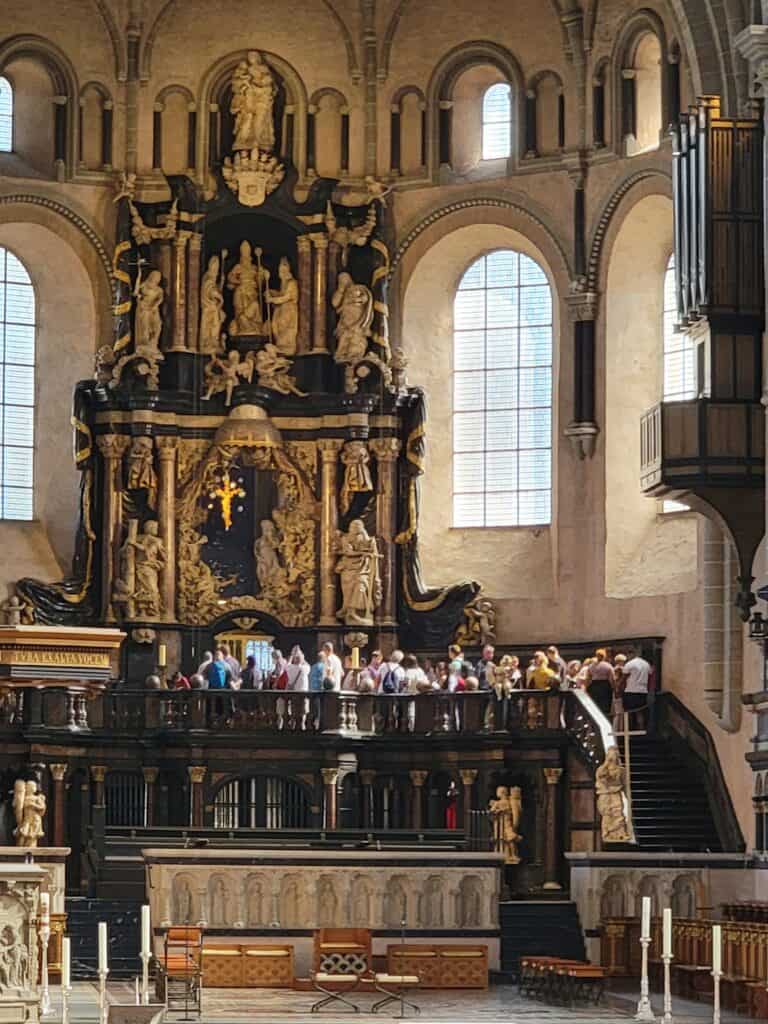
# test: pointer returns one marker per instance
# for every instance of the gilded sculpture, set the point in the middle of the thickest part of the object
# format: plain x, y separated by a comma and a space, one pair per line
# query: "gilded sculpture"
29, 807
224, 374
212, 315
248, 283
149, 323
610, 782
506, 811
272, 371
358, 569
285, 314
141, 470
265, 551
357, 472
253, 97
479, 626
141, 560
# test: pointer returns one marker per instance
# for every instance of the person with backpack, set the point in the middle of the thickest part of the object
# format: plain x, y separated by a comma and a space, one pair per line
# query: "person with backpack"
391, 683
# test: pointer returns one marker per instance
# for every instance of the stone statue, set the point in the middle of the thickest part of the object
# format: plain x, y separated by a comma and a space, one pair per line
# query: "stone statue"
29, 811
12, 609
479, 626
469, 900
285, 318
431, 904
611, 799
357, 473
212, 315
361, 904
395, 903
124, 588
141, 469
289, 904
225, 374
182, 901
248, 282
506, 811
219, 900
142, 558
253, 97
149, 324
326, 903
265, 551
272, 372
14, 960
255, 902
358, 570
354, 306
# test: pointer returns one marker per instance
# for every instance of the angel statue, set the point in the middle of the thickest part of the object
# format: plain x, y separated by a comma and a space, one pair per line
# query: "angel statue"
225, 374
29, 809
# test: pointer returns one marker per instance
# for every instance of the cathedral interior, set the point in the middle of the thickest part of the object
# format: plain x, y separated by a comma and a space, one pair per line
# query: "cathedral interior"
382, 508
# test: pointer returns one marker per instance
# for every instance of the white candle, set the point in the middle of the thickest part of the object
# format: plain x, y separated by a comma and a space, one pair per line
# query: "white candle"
145, 934
103, 946
645, 920
162, 656
66, 962
45, 908
667, 916
717, 949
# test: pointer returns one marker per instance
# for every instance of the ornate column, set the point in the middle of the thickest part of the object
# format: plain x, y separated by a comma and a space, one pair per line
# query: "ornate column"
304, 247
551, 852
112, 448
58, 774
386, 450
320, 311
98, 774
367, 777
468, 776
418, 778
166, 517
193, 290
150, 778
330, 779
329, 520
196, 774
179, 292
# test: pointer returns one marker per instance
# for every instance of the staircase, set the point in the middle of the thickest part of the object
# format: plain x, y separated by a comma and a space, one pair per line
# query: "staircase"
123, 932
531, 928
670, 809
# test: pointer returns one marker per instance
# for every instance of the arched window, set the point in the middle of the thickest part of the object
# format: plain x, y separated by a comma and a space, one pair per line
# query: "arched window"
17, 388
262, 801
6, 116
502, 393
497, 114
680, 382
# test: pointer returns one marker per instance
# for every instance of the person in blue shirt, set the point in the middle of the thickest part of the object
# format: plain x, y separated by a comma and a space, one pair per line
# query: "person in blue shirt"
317, 674
219, 676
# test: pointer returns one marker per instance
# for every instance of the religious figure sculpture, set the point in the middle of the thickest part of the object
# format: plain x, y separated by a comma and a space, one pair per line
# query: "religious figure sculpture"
431, 903
506, 811
610, 779
358, 570
479, 626
253, 97
142, 558
255, 902
265, 551
327, 903
149, 323
219, 900
212, 315
14, 960
398, 364
182, 900
354, 306
124, 590
248, 282
289, 903
469, 902
29, 810
141, 469
357, 473
285, 318
225, 374
272, 372
395, 903
18, 612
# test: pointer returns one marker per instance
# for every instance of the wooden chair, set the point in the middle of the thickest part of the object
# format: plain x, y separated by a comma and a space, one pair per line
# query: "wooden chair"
179, 975
342, 951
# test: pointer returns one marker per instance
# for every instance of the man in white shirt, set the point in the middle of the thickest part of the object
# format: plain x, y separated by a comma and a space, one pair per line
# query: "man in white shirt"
637, 675
334, 670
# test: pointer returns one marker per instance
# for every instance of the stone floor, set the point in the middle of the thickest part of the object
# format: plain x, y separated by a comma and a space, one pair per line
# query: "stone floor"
500, 1003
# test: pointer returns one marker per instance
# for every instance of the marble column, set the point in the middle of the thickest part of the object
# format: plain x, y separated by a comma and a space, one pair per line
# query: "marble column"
320, 310
98, 775
166, 517
196, 774
418, 778
468, 777
551, 852
330, 781
193, 290
304, 247
367, 777
58, 774
150, 779
329, 521
112, 448
386, 450
179, 292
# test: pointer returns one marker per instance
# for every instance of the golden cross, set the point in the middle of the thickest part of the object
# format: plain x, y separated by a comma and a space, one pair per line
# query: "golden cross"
228, 491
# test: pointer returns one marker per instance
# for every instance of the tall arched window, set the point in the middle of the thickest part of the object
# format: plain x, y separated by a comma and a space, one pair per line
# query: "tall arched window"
680, 382
502, 393
17, 388
6, 116
497, 113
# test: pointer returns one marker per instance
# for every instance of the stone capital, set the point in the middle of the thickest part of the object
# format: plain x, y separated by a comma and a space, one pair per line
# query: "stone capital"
468, 776
112, 446
196, 773
195, 240
330, 776
386, 449
581, 304
329, 448
320, 241
166, 447
99, 772
150, 774
58, 771
418, 778
752, 44
552, 775
303, 243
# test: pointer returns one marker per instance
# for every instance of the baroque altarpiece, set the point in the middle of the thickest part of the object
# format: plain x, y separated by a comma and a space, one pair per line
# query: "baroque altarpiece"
249, 448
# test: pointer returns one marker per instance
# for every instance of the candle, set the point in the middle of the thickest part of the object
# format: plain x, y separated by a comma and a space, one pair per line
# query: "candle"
66, 961
667, 949
103, 946
45, 908
645, 920
355, 657
162, 656
717, 949
145, 939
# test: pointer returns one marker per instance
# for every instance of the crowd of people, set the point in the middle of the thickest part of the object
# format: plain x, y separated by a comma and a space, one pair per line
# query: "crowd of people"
627, 678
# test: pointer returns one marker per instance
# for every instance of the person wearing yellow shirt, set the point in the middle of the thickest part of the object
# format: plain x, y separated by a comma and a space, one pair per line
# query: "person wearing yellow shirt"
541, 676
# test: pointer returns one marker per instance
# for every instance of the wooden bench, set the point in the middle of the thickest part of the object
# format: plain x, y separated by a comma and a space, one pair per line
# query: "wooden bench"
230, 965
441, 966
558, 980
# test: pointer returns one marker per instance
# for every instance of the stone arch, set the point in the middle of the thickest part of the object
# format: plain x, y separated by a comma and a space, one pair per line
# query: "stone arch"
389, 36
170, 90
635, 28
648, 886
613, 897
118, 50
105, 98
222, 909
541, 79
686, 896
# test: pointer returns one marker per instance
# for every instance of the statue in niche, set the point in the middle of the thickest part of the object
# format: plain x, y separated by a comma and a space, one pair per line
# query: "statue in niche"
248, 283
505, 812
212, 315
149, 324
150, 562
289, 903
395, 904
469, 898
124, 590
182, 901
141, 468
361, 904
431, 903
354, 306
253, 97
219, 900
357, 473
327, 903
255, 902
609, 786
285, 317
358, 571
265, 551
29, 806
225, 374
14, 960
272, 372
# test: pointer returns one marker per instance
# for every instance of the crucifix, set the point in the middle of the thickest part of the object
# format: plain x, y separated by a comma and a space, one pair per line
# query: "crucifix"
226, 492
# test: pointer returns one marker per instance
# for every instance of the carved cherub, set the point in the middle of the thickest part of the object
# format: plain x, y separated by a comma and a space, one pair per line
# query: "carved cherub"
272, 371
29, 809
225, 374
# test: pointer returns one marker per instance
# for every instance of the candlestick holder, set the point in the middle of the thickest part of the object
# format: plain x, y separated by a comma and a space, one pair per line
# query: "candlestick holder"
716, 976
45, 994
667, 1018
103, 972
66, 992
644, 1010
145, 956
